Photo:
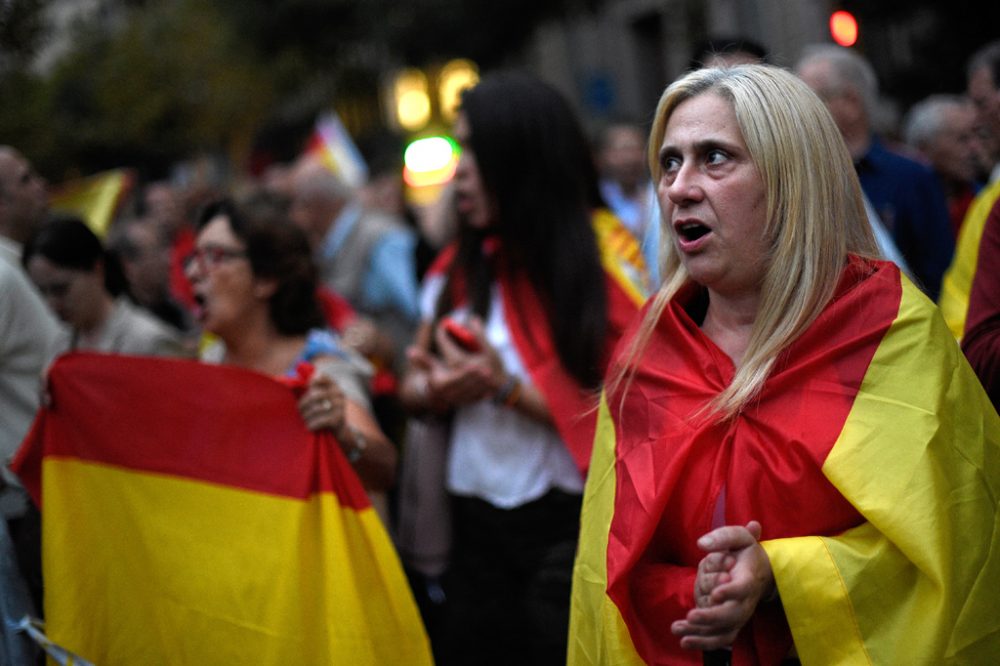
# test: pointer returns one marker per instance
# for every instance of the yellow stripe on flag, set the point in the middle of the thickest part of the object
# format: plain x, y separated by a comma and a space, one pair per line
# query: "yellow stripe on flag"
621, 256
957, 283
821, 617
176, 571
597, 633
906, 587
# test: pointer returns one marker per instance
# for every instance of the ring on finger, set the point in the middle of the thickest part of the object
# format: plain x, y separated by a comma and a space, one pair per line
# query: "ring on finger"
326, 405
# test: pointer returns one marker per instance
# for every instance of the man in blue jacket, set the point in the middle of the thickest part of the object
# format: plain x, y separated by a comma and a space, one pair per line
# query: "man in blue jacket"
906, 195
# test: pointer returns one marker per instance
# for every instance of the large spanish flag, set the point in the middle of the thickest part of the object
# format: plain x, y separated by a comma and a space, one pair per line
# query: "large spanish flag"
871, 458
190, 518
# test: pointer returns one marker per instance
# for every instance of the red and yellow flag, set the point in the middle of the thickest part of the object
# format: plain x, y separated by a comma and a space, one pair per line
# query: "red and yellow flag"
190, 518
570, 405
95, 199
332, 145
871, 458
957, 282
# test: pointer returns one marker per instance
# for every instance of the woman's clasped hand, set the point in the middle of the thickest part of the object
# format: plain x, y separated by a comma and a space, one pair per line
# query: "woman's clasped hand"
732, 579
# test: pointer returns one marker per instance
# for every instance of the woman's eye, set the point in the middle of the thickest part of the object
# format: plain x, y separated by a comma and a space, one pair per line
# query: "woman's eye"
716, 157
671, 164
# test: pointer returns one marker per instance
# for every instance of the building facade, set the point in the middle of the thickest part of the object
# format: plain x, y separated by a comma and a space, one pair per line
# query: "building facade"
616, 63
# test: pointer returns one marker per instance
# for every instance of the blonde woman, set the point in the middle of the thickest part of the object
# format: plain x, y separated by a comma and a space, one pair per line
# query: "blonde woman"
792, 460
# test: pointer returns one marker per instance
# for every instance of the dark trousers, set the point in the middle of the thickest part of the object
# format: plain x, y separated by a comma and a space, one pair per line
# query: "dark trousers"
26, 534
509, 584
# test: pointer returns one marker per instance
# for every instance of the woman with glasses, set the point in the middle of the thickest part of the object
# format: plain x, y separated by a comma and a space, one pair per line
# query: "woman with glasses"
254, 285
84, 287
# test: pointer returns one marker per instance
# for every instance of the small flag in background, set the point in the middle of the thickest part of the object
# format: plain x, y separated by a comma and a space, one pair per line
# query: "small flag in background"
332, 144
95, 198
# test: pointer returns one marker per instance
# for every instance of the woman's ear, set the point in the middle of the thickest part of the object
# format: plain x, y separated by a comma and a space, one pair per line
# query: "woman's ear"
264, 288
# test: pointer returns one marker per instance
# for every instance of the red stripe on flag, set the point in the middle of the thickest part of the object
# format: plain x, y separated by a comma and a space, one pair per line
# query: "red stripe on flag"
573, 408
184, 419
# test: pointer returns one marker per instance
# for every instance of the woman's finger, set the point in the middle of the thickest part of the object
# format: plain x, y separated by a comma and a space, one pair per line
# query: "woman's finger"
729, 537
716, 562
726, 616
714, 642
322, 405
449, 349
706, 584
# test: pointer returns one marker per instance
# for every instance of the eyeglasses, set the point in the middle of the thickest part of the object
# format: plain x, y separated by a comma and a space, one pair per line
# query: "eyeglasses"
211, 256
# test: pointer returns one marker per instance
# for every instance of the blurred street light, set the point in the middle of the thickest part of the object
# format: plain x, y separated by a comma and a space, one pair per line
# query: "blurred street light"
429, 161
455, 77
412, 101
425, 98
844, 28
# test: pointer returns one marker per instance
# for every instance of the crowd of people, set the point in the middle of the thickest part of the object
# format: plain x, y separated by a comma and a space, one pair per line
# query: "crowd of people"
665, 394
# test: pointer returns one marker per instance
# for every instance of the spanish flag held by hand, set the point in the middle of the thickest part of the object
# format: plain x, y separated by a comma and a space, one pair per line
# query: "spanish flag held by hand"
190, 518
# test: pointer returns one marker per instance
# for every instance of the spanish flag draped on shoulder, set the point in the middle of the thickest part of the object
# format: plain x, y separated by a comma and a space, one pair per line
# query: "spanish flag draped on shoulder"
957, 282
871, 457
572, 408
190, 518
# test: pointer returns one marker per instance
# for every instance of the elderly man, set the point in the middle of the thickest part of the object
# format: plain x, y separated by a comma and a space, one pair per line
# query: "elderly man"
942, 128
29, 336
364, 255
144, 250
984, 91
904, 193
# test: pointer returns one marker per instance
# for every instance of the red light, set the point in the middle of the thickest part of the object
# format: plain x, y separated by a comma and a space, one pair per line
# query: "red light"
844, 28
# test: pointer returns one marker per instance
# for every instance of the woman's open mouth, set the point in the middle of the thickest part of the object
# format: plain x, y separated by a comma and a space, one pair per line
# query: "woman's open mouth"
692, 231
199, 310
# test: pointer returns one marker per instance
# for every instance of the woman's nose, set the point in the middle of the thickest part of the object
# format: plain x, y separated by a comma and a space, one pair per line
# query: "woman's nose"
193, 269
685, 185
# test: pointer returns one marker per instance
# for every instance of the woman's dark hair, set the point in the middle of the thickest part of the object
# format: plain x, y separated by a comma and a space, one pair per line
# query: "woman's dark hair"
536, 164
68, 242
277, 250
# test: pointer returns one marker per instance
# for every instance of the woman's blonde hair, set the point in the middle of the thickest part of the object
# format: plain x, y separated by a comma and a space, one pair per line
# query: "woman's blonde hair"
815, 213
